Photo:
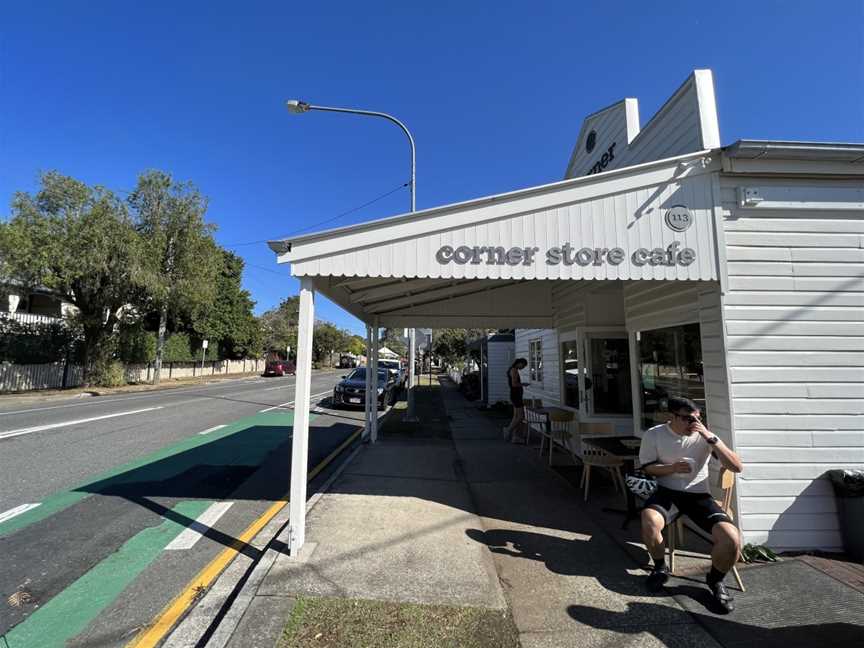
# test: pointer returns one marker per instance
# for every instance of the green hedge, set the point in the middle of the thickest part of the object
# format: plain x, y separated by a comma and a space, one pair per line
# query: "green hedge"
36, 343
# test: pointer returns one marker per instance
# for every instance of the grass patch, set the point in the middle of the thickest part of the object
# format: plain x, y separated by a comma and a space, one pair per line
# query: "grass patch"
356, 623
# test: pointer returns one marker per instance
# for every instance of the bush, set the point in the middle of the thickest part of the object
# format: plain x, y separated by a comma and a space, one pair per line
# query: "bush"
36, 343
112, 375
136, 346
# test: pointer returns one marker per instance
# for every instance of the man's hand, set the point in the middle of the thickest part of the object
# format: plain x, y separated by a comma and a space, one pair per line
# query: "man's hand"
681, 467
698, 427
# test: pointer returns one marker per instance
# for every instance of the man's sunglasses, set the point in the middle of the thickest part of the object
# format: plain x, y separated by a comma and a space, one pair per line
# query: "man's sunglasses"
688, 417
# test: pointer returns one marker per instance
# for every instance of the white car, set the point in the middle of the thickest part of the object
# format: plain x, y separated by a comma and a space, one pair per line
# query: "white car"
394, 367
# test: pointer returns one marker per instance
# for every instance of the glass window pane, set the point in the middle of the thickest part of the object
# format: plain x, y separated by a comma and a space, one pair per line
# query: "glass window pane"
670, 364
610, 376
571, 373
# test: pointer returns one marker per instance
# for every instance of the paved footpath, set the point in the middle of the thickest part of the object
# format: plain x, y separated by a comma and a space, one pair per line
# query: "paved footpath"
464, 518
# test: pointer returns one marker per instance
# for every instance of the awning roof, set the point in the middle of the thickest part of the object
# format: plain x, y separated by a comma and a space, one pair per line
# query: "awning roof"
492, 261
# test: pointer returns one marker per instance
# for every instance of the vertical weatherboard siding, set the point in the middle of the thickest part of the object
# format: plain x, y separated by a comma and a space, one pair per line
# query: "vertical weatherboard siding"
794, 319
500, 357
549, 389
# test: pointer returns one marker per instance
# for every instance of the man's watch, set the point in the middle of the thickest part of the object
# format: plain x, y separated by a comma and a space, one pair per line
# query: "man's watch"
713, 439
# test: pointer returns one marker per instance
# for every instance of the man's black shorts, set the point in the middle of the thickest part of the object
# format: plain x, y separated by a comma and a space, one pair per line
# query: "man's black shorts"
516, 397
699, 507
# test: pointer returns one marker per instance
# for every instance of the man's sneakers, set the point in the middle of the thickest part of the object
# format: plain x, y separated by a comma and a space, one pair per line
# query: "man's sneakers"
657, 578
721, 597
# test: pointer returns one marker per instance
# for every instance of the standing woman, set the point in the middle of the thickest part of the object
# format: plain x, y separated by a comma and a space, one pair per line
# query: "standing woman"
516, 392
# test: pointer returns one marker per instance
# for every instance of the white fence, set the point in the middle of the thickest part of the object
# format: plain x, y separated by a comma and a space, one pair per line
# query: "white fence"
56, 375
32, 318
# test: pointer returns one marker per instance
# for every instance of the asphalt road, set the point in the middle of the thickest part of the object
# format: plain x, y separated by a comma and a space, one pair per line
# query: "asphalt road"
98, 496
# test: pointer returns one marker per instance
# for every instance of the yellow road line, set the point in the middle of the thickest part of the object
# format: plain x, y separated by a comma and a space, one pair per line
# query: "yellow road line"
171, 614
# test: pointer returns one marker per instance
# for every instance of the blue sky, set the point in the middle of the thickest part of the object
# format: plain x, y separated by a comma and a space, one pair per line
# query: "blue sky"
494, 93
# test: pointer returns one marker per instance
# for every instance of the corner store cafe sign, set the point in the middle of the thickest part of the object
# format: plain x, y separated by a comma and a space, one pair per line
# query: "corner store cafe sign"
672, 255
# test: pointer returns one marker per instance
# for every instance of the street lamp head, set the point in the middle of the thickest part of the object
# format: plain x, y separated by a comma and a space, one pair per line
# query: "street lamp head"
296, 106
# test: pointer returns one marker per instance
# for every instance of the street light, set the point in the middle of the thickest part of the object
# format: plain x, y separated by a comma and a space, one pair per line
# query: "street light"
298, 107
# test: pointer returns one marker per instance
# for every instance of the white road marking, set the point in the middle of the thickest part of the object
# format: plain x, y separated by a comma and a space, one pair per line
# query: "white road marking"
194, 532
51, 426
281, 405
213, 429
18, 510
100, 400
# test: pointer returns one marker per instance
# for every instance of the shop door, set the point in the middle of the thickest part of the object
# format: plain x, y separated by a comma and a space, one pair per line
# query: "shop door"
607, 380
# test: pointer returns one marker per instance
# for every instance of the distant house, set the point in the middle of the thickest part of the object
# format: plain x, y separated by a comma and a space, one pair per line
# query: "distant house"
33, 304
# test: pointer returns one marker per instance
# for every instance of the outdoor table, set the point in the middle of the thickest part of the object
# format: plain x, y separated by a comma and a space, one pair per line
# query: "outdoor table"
625, 448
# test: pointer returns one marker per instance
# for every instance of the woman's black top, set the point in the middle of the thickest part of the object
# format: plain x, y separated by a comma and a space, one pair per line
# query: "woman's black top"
516, 390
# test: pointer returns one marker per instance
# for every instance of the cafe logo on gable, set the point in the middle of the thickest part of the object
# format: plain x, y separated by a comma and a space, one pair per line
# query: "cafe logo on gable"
679, 218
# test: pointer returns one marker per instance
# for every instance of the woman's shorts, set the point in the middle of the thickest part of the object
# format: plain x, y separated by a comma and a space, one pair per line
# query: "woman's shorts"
516, 398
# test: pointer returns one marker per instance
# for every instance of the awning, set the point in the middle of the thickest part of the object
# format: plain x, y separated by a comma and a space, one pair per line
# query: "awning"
495, 258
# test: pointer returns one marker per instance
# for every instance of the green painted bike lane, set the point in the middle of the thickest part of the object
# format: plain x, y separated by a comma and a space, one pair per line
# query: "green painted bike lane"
272, 426
72, 610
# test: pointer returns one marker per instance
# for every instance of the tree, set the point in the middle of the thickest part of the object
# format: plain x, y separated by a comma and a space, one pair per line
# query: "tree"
395, 341
78, 241
279, 325
327, 338
229, 321
449, 343
180, 259
356, 345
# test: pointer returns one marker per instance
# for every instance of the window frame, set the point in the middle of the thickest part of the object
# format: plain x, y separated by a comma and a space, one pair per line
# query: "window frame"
535, 360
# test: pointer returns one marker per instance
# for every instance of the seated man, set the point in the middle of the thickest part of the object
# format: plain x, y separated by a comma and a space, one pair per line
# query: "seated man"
676, 454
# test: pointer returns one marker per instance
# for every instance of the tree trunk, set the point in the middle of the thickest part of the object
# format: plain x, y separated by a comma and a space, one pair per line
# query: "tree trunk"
160, 342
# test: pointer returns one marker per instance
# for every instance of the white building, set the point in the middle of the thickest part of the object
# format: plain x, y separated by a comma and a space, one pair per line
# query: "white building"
663, 263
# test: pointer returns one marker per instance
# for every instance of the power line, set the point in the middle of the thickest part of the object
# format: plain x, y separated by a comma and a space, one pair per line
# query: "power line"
324, 222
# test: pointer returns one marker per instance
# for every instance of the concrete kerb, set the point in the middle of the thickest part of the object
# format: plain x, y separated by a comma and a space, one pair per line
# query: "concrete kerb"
224, 604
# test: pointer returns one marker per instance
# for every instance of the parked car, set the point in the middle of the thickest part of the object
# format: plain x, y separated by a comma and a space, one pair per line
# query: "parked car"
347, 362
351, 390
396, 371
279, 368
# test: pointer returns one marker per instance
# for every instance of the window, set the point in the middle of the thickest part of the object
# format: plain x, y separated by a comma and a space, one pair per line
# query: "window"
570, 363
535, 361
609, 384
670, 364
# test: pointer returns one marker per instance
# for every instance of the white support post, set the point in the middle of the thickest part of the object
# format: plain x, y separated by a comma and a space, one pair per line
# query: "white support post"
411, 415
367, 429
374, 391
300, 441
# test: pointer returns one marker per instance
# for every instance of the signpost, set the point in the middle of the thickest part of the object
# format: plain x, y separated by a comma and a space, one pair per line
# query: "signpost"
203, 354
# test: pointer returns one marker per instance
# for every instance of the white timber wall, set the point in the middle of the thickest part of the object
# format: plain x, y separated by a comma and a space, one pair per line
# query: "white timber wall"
500, 357
659, 304
795, 334
549, 389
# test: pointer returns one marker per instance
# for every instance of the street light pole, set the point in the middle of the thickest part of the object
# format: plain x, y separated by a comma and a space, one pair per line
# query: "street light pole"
298, 107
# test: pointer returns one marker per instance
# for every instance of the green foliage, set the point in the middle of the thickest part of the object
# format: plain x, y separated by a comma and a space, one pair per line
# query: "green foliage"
112, 375
327, 338
181, 259
356, 345
228, 322
395, 341
450, 344
136, 345
79, 242
279, 325
36, 343
758, 553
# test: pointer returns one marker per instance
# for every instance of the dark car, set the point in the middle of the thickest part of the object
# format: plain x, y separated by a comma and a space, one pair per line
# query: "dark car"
351, 390
278, 368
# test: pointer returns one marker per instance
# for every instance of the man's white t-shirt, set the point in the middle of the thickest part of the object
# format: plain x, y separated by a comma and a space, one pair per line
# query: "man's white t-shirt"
661, 445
